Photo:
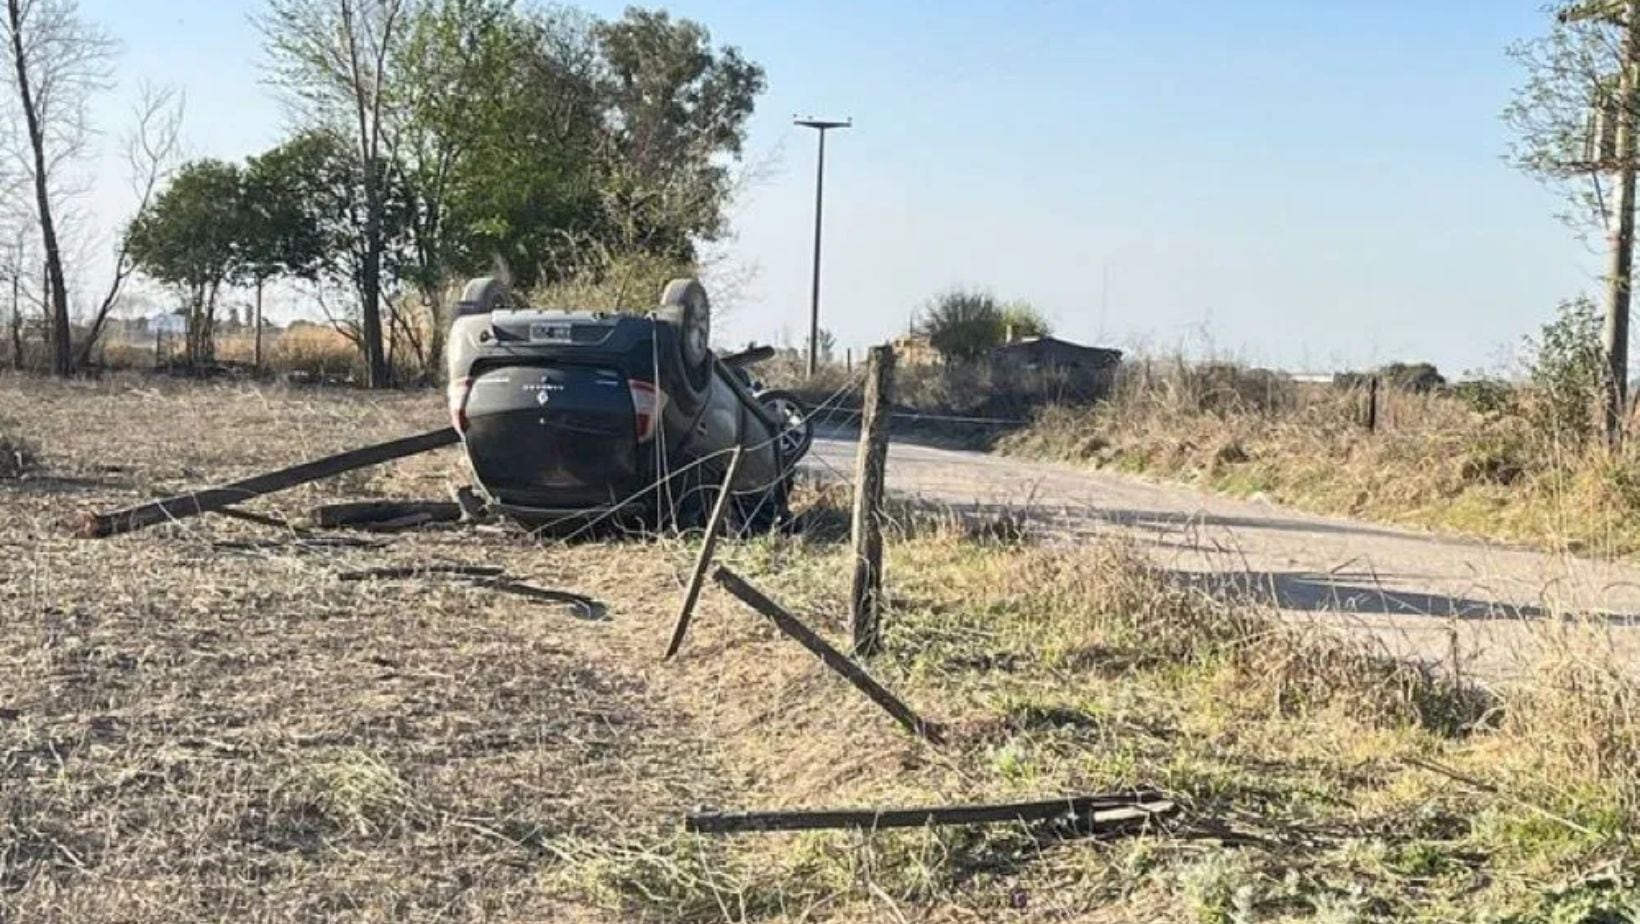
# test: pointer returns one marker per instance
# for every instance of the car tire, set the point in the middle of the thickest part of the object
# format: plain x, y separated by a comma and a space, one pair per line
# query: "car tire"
483, 295
797, 426
684, 335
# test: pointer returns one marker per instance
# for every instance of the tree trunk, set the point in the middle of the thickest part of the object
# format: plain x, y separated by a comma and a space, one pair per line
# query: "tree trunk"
62, 358
17, 319
371, 309
256, 337
208, 345
1619, 274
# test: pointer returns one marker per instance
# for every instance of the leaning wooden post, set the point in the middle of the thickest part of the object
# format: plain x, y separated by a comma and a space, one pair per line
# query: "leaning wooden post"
1372, 405
865, 595
707, 545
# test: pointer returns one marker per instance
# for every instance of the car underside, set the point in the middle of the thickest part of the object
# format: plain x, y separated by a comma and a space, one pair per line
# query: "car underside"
580, 416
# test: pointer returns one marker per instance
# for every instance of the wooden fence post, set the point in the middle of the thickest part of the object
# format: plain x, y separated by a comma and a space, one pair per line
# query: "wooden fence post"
1372, 405
866, 591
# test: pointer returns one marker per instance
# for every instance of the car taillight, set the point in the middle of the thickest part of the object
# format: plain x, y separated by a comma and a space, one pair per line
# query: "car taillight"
458, 392
646, 407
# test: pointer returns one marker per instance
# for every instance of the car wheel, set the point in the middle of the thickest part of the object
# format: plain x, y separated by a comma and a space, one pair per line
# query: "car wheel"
796, 428
484, 295
686, 351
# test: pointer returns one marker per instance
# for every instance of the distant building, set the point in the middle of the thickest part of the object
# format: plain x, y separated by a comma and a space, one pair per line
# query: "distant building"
1046, 353
167, 323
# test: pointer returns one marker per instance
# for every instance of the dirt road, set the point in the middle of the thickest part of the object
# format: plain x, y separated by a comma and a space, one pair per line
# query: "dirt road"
1419, 594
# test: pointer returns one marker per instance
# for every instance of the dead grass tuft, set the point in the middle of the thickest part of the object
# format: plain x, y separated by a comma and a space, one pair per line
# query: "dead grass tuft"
18, 456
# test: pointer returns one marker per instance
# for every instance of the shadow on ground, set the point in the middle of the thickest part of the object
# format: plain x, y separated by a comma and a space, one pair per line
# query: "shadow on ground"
1353, 592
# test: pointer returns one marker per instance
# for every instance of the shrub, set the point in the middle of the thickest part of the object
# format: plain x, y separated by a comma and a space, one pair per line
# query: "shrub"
1414, 377
963, 326
1484, 395
17, 455
1567, 368
1418, 377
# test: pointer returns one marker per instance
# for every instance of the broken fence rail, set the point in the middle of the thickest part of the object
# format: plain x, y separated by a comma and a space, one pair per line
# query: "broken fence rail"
152, 513
829, 655
384, 514
1116, 808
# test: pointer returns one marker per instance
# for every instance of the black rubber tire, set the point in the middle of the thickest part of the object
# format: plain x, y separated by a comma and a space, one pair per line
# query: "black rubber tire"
483, 295
683, 339
794, 441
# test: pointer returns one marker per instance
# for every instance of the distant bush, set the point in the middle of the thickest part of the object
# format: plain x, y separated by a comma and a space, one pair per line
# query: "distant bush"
1486, 395
1415, 377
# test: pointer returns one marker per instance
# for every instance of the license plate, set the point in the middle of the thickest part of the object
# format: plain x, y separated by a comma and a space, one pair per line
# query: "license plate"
549, 332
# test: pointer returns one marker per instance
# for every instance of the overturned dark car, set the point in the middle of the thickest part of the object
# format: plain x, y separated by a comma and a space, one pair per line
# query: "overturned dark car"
579, 417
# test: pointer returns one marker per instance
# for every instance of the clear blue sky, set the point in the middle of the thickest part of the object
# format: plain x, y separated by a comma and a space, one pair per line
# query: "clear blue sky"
1300, 183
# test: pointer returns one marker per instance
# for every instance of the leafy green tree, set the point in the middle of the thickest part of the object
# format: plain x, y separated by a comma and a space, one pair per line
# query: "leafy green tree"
1564, 115
189, 237
281, 233
475, 136
323, 202
498, 131
676, 109
1574, 121
963, 325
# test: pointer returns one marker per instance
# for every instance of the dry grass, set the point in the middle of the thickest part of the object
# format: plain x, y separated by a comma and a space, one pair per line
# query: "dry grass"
1435, 461
202, 722
17, 455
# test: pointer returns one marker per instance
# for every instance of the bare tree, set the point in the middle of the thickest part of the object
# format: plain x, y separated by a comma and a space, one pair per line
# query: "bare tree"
151, 152
58, 60
15, 260
333, 58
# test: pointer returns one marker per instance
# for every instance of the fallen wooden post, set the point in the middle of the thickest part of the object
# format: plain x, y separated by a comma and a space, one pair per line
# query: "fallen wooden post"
382, 513
393, 573
489, 577
1093, 811
100, 525
707, 546
832, 658
590, 608
249, 516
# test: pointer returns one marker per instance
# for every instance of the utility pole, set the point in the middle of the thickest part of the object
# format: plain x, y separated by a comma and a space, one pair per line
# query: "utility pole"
1625, 14
821, 126
1620, 272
